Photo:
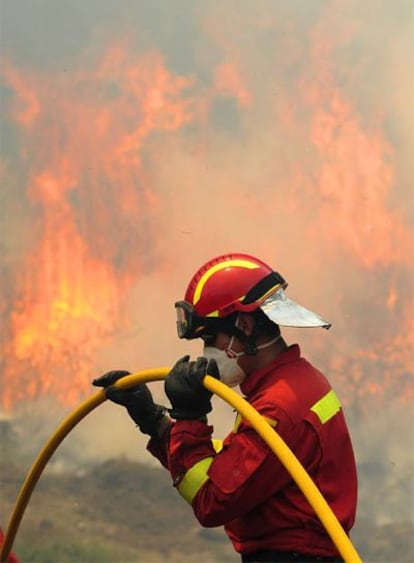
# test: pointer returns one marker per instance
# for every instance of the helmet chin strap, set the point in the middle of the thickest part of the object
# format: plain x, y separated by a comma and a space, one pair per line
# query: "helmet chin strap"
250, 346
232, 354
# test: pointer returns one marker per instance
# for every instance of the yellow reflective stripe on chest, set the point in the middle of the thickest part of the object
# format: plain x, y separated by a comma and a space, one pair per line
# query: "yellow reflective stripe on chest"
194, 479
327, 407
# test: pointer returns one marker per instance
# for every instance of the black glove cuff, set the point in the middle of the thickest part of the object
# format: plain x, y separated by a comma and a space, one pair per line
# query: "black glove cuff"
187, 414
150, 423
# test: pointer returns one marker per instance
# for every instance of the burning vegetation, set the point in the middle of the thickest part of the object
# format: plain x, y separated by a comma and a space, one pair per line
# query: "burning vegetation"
111, 156
142, 145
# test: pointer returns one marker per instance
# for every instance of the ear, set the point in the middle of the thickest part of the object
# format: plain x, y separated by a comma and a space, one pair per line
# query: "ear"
246, 323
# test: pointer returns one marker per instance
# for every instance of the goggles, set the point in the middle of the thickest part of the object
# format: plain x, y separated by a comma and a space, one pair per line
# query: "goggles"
190, 325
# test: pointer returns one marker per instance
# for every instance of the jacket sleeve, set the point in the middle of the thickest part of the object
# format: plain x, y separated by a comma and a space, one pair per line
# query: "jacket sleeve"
225, 485
158, 446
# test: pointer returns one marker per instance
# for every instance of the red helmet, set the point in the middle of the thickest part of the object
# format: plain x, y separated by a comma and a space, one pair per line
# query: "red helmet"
224, 285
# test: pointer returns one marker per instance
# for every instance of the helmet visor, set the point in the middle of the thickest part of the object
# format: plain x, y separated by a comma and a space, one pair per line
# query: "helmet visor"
285, 312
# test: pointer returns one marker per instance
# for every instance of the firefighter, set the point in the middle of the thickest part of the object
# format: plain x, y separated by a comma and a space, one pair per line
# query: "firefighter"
235, 304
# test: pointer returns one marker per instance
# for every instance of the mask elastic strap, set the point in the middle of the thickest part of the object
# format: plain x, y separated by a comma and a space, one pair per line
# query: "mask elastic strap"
231, 354
266, 344
249, 342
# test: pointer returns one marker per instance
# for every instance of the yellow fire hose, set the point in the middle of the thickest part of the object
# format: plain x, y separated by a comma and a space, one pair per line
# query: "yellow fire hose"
273, 440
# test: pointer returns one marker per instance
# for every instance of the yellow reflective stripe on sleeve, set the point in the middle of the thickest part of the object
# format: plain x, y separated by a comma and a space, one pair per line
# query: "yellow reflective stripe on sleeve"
217, 445
238, 420
194, 479
327, 407
226, 264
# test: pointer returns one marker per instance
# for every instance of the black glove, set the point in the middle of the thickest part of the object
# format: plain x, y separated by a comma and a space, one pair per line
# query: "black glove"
184, 387
137, 400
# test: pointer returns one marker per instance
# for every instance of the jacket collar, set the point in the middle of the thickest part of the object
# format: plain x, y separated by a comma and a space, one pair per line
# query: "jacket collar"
290, 354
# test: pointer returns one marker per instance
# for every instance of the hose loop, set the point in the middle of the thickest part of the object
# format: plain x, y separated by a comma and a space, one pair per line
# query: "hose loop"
269, 435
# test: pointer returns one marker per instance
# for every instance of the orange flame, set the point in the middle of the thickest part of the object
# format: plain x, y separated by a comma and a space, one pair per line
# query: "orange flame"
304, 161
68, 294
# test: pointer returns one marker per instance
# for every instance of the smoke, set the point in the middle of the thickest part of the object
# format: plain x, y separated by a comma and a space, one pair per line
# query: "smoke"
139, 140
386, 466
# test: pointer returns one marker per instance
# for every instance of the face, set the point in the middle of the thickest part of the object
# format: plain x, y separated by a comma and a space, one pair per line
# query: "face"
217, 347
221, 340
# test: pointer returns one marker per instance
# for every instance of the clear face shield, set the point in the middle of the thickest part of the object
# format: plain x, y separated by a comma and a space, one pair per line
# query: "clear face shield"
285, 312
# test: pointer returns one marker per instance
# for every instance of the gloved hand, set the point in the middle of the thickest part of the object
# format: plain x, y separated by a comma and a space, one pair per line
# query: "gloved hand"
137, 400
184, 387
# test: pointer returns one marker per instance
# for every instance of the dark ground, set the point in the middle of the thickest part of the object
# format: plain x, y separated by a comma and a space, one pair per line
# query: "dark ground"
123, 511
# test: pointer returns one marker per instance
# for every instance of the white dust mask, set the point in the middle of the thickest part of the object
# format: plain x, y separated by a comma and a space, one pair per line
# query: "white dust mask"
230, 372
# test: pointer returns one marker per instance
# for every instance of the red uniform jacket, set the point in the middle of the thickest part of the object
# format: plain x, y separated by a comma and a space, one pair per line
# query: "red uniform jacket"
248, 490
